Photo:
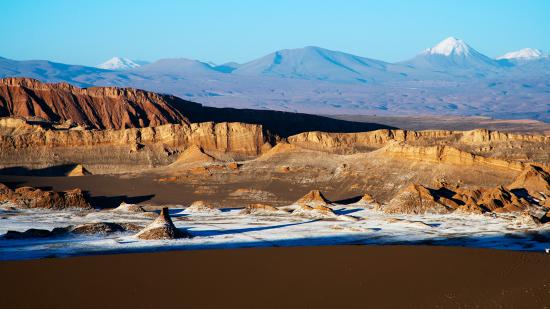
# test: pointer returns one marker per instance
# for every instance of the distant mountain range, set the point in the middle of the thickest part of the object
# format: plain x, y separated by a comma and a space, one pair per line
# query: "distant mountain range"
449, 78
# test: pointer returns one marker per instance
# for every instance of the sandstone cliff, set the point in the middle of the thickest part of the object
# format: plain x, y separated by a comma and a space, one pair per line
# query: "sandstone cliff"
24, 144
481, 143
446, 154
350, 142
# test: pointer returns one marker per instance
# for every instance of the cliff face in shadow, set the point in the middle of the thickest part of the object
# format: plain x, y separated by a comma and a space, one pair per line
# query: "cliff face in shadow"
119, 108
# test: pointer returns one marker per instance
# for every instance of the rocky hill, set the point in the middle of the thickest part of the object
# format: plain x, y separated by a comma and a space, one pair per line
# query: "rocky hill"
119, 108
96, 107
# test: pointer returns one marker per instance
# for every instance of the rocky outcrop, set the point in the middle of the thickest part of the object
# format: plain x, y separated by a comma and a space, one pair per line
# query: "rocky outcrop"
445, 154
480, 143
96, 107
104, 228
235, 137
528, 193
313, 198
417, 199
162, 228
202, 207
78, 170
82, 229
125, 208
367, 200
352, 142
314, 212
28, 197
535, 180
484, 136
261, 210
127, 149
35, 233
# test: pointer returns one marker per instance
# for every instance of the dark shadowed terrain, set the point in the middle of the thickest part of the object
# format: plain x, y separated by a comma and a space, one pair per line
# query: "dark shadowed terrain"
306, 277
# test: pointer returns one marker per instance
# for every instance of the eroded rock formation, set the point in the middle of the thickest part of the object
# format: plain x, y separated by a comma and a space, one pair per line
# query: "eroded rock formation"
261, 210
82, 229
96, 107
125, 207
24, 144
29, 197
517, 197
313, 198
78, 170
162, 228
202, 207
446, 154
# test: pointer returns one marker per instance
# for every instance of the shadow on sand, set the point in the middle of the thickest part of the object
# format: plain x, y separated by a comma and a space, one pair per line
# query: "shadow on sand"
206, 233
102, 202
534, 242
52, 171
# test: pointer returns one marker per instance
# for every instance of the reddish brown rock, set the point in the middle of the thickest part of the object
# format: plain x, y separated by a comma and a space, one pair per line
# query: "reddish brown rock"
416, 199
5, 192
233, 166
96, 107
78, 170
501, 200
29, 197
535, 180
313, 198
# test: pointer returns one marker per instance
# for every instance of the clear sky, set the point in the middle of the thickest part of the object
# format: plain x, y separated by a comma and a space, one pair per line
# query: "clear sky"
89, 32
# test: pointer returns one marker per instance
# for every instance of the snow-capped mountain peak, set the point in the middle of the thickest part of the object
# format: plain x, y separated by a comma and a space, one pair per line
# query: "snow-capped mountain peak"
449, 46
118, 63
524, 54
453, 56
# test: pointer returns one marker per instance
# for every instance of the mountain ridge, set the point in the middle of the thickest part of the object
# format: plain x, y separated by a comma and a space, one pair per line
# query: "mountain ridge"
322, 81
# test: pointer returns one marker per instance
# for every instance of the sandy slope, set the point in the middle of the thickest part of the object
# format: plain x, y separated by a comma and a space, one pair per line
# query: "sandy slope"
307, 277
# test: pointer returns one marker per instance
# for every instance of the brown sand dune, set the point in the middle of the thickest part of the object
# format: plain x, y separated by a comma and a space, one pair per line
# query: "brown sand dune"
193, 154
301, 277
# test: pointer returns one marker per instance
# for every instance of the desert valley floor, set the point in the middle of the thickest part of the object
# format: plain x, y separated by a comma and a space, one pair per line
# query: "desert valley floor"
88, 174
108, 170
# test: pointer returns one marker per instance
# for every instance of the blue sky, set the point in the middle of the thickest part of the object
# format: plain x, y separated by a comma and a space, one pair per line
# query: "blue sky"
89, 32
